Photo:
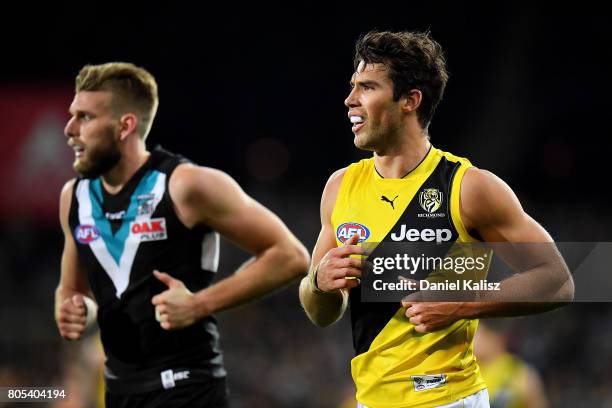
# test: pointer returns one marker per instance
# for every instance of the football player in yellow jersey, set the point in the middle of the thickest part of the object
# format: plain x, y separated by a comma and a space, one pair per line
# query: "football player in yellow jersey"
413, 354
512, 382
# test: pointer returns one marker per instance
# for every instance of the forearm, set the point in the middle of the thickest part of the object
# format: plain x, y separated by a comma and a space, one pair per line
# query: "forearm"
477, 310
538, 290
322, 308
271, 270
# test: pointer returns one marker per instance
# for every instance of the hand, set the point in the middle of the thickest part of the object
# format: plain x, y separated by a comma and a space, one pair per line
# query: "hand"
72, 318
173, 307
336, 265
430, 316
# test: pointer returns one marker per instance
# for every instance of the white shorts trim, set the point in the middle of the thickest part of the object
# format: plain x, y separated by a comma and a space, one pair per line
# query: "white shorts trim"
479, 399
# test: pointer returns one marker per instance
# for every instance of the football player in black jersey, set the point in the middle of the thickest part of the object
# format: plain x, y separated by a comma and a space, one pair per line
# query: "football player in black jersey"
141, 239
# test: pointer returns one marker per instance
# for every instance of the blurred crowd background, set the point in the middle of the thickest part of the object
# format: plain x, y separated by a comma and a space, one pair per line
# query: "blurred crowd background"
258, 91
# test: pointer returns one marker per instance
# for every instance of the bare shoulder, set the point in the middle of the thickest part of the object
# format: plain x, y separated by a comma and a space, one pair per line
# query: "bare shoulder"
486, 198
65, 198
189, 179
66, 194
333, 183
481, 183
67, 189
201, 193
330, 192
336, 177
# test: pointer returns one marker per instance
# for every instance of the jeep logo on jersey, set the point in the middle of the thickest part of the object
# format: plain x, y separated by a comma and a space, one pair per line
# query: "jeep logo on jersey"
150, 230
85, 234
427, 234
430, 199
348, 229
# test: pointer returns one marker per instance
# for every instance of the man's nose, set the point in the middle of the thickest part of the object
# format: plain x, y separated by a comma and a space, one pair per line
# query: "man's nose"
351, 100
70, 129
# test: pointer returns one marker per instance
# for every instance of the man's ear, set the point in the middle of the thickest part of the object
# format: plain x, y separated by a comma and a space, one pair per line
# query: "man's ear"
411, 101
129, 125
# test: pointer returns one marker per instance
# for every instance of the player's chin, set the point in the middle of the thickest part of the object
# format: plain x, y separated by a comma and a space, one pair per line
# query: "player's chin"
80, 165
85, 169
361, 141
357, 139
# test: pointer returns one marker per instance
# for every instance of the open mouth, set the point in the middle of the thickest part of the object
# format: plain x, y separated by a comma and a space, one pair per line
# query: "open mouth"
78, 151
357, 122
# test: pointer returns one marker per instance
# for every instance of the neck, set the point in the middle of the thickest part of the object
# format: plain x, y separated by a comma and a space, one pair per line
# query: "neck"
404, 156
132, 159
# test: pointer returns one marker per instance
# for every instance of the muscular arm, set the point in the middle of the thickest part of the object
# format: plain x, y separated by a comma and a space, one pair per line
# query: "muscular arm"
72, 293
491, 208
210, 197
326, 303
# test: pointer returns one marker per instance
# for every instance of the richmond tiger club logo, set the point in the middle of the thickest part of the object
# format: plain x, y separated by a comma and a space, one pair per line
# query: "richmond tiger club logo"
431, 201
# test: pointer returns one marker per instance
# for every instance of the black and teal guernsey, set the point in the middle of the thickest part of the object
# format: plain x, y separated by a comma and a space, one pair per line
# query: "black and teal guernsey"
121, 239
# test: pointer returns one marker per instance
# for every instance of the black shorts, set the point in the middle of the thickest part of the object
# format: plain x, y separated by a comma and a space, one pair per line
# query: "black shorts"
212, 394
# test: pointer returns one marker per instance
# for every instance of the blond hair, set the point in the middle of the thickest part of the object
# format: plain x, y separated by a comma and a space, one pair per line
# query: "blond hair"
132, 87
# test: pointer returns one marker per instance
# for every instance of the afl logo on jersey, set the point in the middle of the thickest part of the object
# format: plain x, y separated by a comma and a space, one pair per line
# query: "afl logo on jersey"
85, 234
430, 199
348, 229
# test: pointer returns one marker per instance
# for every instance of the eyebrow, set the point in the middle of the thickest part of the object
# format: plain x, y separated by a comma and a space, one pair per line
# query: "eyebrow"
75, 112
367, 82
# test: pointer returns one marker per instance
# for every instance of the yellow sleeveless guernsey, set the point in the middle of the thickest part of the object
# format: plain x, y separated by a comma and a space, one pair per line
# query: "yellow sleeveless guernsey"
394, 366
506, 378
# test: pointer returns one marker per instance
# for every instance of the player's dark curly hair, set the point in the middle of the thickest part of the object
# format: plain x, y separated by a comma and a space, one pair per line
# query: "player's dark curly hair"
414, 61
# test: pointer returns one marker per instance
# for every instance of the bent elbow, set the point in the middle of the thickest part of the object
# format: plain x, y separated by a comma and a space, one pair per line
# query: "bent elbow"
568, 291
298, 260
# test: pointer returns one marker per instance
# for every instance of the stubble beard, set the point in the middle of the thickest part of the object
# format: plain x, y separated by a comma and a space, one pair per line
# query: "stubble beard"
100, 159
366, 139
373, 139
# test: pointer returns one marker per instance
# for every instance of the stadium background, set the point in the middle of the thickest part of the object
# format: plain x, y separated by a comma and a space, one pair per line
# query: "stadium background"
258, 92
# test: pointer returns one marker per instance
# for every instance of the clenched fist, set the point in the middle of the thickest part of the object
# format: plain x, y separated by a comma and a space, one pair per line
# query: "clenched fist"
336, 266
72, 317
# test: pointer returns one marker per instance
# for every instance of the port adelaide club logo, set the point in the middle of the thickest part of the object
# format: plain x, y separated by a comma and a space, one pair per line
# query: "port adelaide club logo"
431, 200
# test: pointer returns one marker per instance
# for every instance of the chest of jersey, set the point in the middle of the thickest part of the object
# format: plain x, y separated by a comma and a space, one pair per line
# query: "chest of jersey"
415, 208
122, 238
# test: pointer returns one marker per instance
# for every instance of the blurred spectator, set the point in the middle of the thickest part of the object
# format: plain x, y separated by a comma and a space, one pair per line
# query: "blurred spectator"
512, 382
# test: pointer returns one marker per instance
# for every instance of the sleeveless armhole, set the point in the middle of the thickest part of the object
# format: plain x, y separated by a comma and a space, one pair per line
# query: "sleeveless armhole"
342, 196
464, 235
